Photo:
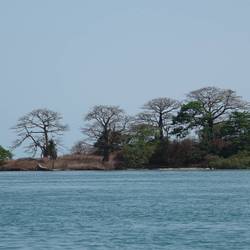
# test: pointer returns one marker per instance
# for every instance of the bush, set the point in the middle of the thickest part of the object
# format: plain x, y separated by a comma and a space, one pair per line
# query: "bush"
4, 155
178, 153
137, 155
238, 161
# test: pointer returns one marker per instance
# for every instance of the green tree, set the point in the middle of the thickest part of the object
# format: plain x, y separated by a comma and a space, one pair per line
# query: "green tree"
206, 108
140, 146
52, 151
188, 118
4, 155
236, 132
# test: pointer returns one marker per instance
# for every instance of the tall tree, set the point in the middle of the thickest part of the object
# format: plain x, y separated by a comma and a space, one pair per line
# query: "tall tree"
207, 107
158, 113
40, 130
105, 127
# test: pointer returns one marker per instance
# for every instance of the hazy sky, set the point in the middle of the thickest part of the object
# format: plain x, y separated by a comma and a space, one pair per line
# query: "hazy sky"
70, 55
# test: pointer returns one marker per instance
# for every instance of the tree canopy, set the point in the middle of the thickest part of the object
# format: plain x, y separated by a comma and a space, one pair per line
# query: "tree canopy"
106, 124
40, 130
207, 107
158, 113
210, 125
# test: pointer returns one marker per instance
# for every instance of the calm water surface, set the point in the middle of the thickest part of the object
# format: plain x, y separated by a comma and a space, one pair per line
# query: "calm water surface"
125, 210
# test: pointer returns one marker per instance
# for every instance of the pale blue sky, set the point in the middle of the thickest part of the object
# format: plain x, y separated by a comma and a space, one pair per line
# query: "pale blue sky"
70, 55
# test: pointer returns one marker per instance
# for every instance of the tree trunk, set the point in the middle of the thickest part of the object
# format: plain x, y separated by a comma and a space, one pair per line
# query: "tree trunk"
106, 146
161, 136
106, 153
46, 146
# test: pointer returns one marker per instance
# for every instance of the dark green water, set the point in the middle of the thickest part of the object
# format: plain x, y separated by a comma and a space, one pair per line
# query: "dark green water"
125, 210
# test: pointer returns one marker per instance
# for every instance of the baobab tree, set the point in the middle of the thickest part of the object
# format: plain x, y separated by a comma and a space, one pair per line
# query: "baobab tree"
158, 113
208, 107
105, 127
39, 130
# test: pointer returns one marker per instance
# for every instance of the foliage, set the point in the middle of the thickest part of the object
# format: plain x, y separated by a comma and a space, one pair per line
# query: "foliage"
237, 130
206, 108
139, 147
189, 117
238, 161
52, 151
114, 142
178, 153
4, 154
211, 127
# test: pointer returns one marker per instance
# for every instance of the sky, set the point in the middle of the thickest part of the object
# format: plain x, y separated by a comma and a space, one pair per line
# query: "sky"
68, 55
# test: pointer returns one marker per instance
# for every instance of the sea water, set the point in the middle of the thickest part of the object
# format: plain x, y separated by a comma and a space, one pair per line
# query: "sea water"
125, 210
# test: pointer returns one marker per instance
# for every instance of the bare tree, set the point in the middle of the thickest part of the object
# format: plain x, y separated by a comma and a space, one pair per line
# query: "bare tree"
41, 129
106, 126
158, 113
82, 148
217, 103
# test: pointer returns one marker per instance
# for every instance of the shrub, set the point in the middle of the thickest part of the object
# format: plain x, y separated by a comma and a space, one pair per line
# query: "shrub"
4, 155
238, 161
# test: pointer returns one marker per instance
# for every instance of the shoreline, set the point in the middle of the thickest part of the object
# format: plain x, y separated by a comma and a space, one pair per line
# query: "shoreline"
167, 169
94, 163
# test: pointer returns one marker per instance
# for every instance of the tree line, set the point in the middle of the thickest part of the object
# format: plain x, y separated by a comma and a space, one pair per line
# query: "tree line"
211, 123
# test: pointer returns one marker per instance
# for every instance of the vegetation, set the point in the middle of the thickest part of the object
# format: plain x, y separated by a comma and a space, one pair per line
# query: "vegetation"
4, 155
41, 129
139, 147
158, 113
106, 125
240, 161
211, 128
206, 108
81, 148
